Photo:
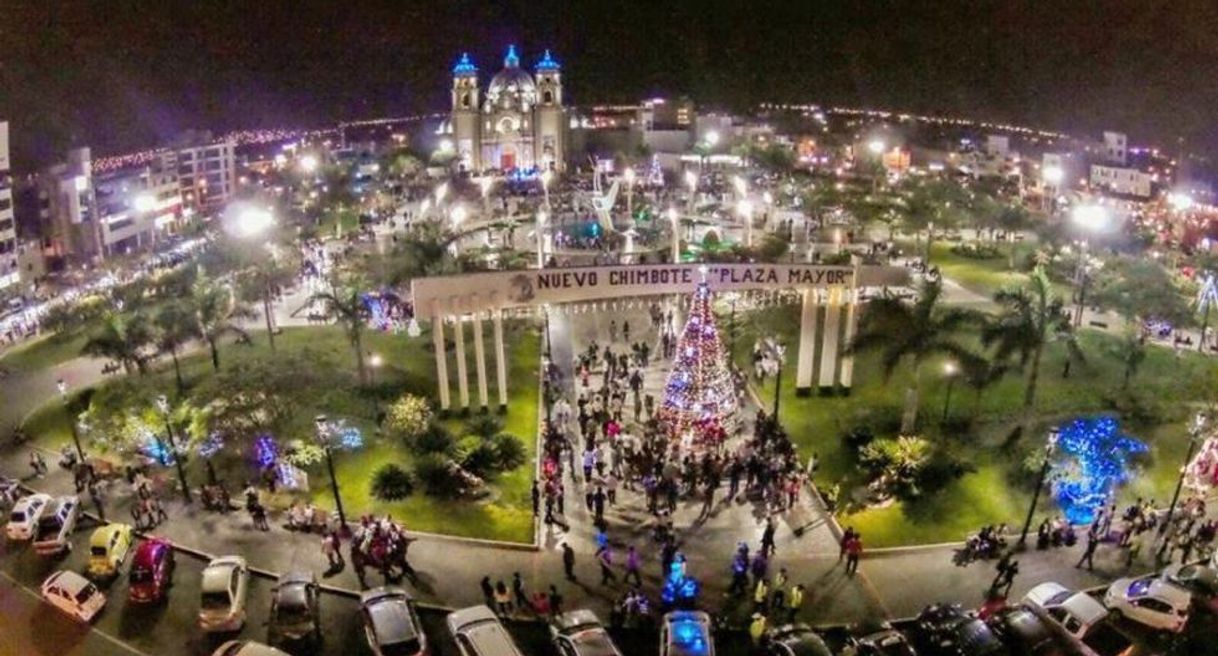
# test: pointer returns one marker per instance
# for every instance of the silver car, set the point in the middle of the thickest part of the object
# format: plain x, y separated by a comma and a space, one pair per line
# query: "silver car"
580, 633
391, 624
295, 607
222, 599
56, 525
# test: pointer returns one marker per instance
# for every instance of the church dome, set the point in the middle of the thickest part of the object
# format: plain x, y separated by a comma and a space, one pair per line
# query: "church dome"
512, 83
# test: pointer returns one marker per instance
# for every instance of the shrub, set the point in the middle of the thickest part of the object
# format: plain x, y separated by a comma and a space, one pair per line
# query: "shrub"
479, 457
977, 251
438, 475
484, 426
858, 437
391, 483
408, 417
436, 439
509, 451
896, 464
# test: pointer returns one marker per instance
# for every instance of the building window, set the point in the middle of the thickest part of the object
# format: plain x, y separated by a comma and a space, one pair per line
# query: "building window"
548, 97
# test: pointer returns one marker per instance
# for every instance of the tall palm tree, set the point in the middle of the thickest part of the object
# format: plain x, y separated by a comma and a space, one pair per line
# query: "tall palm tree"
346, 302
175, 326
1130, 351
260, 282
911, 333
216, 312
121, 337
1032, 317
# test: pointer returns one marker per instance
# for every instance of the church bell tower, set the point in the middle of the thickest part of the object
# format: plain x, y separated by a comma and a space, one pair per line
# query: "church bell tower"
465, 125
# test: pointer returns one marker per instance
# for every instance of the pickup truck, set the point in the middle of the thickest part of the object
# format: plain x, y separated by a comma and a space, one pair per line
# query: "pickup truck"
56, 525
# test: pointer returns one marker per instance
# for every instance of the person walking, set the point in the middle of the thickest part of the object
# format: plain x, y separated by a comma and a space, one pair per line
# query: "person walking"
757, 629
854, 551
795, 600
555, 602
503, 598
329, 547
605, 558
488, 591
847, 535
96, 497
357, 564
522, 599
761, 596
1093, 541
568, 561
767, 536
633, 562
536, 492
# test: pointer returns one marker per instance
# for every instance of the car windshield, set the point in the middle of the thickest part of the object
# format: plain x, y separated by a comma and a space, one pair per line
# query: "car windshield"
403, 648
85, 593
215, 600
140, 575
1139, 587
17, 517
293, 613
97, 551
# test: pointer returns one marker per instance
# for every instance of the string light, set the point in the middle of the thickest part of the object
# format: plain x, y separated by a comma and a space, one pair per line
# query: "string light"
699, 393
1095, 461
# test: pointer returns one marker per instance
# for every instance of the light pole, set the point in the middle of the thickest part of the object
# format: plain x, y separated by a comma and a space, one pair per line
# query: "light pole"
745, 209
742, 187
675, 220
949, 371
542, 217
545, 186
691, 180
1194, 436
162, 404
485, 184
375, 363
324, 431
778, 352
251, 222
62, 386
629, 175
1050, 445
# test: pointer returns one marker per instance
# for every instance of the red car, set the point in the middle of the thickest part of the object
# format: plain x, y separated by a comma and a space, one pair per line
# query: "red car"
151, 571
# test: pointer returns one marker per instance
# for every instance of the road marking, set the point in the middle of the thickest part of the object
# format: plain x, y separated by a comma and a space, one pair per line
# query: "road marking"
109, 638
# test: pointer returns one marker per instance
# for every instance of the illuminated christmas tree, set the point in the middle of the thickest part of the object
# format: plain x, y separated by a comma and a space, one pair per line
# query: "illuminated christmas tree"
699, 396
655, 175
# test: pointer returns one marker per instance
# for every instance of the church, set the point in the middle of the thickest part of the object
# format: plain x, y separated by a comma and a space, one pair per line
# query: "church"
517, 126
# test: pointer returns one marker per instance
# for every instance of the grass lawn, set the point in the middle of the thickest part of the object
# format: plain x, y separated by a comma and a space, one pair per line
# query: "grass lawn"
995, 489
43, 352
408, 367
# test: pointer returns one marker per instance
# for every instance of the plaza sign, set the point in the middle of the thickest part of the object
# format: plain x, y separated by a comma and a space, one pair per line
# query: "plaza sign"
505, 289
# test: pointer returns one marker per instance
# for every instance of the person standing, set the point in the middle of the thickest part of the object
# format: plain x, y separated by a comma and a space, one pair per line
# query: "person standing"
568, 563
536, 492
1093, 541
488, 591
795, 600
96, 497
854, 551
605, 558
555, 602
522, 599
767, 536
503, 599
757, 629
632, 566
847, 536
329, 547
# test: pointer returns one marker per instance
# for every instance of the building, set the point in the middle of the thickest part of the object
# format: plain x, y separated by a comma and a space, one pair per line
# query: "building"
67, 212
1122, 181
1116, 150
206, 170
666, 114
518, 125
135, 206
10, 270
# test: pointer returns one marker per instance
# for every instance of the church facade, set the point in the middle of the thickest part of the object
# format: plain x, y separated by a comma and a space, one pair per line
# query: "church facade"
517, 124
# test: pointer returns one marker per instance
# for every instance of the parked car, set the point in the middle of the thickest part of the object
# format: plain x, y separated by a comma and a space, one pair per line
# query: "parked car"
222, 596
246, 648
1026, 634
1151, 601
478, 632
686, 633
795, 640
295, 607
878, 638
947, 629
23, 518
1077, 612
74, 595
151, 571
580, 633
391, 624
108, 548
56, 525
1200, 580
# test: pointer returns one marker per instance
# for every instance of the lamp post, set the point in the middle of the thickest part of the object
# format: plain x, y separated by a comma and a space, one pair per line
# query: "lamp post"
745, 209
62, 386
162, 404
323, 434
691, 180
545, 186
629, 175
778, 352
949, 371
542, 217
674, 221
1050, 445
375, 363
1194, 436
485, 184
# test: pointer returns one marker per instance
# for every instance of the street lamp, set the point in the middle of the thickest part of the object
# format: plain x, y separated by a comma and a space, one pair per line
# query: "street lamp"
62, 386
250, 223
162, 404
324, 435
712, 138
876, 147
950, 369
308, 164
1050, 445
485, 184
691, 180
778, 352
375, 363
545, 186
1194, 437
745, 209
675, 219
742, 187
1093, 218
629, 175
542, 217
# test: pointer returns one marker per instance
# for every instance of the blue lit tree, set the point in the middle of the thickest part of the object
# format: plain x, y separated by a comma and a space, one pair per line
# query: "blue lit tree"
1093, 460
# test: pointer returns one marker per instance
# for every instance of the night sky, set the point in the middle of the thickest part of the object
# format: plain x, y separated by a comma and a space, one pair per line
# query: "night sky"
120, 75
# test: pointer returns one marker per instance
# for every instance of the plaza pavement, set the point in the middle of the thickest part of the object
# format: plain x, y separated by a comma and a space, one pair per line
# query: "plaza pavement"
893, 583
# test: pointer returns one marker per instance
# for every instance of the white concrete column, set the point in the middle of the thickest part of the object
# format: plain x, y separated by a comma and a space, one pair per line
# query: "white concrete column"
807, 342
829, 346
462, 377
480, 360
437, 338
852, 320
500, 358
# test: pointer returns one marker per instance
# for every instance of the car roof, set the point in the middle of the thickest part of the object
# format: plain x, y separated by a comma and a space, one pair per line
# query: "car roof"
391, 620
801, 640
688, 633
101, 536
1043, 592
1086, 608
217, 575
23, 504
68, 581
459, 619
295, 578
576, 619
149, 552
1171, 593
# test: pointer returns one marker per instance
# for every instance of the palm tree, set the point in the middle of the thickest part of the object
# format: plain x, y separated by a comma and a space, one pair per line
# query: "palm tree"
216, 312
914, 332
1032, 317
175, 327
346, 302
259, 283
1130, 351
121, 337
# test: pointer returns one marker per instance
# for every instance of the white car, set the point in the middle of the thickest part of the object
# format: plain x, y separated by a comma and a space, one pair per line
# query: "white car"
222, 599
1077, 612
74, 595
247, 648
1151, 601
23, 519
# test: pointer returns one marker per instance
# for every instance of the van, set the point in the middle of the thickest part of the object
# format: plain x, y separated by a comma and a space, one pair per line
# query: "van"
478, 632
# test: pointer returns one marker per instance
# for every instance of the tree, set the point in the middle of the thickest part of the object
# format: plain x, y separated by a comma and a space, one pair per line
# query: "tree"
1130, 351
175, 327
932, 204
1140, 289
122, 337
424, 251
216, 312
345, 300
260, 282
1032, 317
913, 332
